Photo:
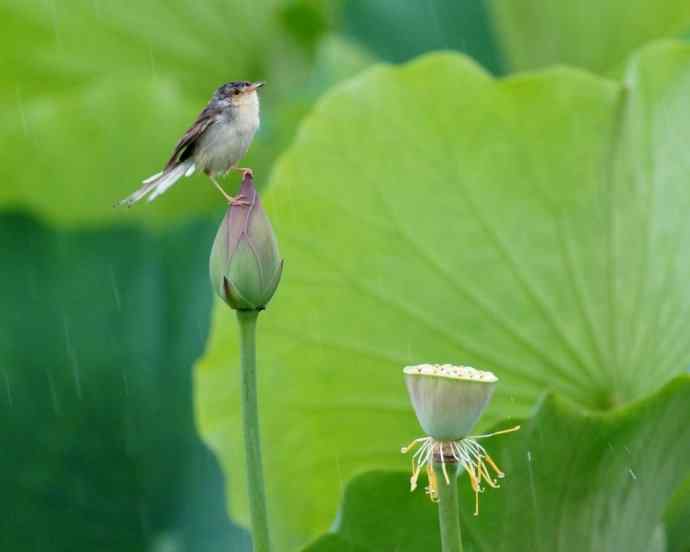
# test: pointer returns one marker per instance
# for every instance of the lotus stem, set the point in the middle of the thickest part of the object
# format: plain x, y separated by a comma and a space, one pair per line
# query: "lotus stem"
448, 508
252, 442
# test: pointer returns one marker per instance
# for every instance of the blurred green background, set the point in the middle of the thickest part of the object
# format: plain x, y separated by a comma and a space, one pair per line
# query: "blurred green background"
106, 311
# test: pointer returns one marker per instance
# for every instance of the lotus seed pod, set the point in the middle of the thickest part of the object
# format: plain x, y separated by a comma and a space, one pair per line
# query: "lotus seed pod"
448, 399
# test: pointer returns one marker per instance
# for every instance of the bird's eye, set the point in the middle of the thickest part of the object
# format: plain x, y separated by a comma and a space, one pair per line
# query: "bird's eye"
236, 92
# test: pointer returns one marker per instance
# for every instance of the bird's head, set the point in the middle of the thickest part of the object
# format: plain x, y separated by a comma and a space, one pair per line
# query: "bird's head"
239, 93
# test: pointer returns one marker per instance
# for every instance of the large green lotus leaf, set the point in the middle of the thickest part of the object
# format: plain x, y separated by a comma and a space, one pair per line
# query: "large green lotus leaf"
378, 512
576, 480
587, 33
678, 520
198, 44
335, 59
97, 339
532, 226
397, 31
95, 94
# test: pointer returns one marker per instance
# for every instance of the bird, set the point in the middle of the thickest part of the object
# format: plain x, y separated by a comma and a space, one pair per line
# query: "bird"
214, 144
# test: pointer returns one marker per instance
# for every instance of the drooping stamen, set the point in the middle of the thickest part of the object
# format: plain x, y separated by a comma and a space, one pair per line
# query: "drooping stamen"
501, 432
432, 488
467, 452
443, 464
413, 444
498, 471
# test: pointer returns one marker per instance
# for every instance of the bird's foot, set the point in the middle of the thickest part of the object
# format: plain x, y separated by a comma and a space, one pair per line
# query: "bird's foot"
244, 171
240, 201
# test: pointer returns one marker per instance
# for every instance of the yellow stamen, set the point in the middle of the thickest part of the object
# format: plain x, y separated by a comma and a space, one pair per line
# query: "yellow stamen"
412, 445
467, 453
498, 471
432, 487
415, 476
487, 476
474, 480
443, 466
501, 432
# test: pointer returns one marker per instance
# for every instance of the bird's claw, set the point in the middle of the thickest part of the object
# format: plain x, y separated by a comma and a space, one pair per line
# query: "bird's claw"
245, 171
239, 201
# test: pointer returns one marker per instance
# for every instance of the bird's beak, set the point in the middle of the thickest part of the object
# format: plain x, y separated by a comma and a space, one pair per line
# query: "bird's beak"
255, 86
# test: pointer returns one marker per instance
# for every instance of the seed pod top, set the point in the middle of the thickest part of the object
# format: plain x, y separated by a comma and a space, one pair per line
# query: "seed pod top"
245, 264
447, 399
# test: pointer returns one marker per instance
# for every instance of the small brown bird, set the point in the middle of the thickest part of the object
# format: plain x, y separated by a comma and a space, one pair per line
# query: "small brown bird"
216, 142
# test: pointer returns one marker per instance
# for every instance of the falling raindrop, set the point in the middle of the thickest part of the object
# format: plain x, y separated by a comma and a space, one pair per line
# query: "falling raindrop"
152, 63
54, 20
338, 468
22, 113
71, 353
53, 392
116, 291
125, 380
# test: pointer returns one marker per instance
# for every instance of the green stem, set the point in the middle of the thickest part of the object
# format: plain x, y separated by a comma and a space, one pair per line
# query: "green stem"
448, 508
252, 441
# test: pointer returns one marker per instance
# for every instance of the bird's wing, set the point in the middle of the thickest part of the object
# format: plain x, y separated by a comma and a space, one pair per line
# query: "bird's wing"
185, 147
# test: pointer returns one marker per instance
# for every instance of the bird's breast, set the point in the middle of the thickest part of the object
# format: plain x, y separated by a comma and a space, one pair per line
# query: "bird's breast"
227, 140
246, 114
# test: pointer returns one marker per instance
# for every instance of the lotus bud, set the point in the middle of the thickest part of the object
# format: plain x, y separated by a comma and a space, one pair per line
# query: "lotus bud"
245, 264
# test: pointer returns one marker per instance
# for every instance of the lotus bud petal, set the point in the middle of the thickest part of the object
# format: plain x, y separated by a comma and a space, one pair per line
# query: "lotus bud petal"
245, 264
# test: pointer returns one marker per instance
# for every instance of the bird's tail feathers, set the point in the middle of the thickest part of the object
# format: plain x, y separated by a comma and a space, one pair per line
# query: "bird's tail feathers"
158, 183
